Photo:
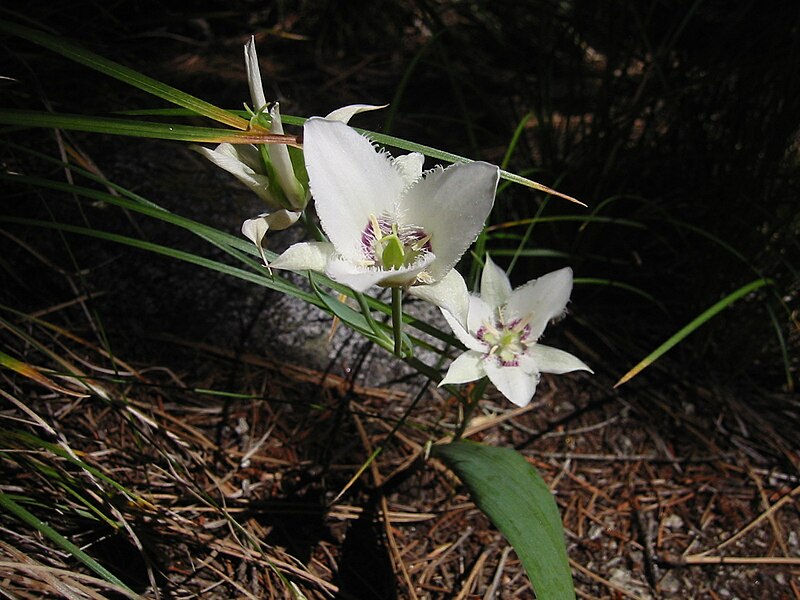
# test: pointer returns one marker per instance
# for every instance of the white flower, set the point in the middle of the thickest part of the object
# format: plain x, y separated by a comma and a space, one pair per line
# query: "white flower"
273, 180
388, 224
245, 162
502, 329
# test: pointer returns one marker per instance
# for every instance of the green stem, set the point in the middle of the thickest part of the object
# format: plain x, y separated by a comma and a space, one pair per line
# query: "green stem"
365, 310
469, 406
307, 217
397, 320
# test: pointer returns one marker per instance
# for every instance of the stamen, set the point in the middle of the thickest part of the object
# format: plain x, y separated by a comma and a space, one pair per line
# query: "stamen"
389, 245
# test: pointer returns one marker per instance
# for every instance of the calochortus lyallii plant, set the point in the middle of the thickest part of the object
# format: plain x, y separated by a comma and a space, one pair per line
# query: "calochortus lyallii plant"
384, 222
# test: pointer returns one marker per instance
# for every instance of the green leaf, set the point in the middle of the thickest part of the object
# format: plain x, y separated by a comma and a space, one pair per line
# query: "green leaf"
517, 500
136, 128
129, 76
7, 503
695, 323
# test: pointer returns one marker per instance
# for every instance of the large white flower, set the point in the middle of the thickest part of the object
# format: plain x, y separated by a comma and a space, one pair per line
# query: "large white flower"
502, 329
388, 224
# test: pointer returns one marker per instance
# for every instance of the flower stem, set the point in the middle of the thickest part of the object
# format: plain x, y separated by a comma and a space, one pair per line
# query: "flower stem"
397, 319
365, 310
469, 406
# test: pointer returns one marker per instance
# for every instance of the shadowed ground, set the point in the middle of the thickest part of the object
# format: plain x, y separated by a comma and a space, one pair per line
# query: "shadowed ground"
240, 414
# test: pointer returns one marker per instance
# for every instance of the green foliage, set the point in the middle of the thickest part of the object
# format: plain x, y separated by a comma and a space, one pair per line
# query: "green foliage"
517, 500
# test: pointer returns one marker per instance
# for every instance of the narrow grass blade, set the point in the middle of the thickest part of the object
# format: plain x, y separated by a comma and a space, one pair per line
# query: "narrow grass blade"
134, 128
442, 155
24, 515
517, 500
35, 374
396, 142
706, 315
125, 74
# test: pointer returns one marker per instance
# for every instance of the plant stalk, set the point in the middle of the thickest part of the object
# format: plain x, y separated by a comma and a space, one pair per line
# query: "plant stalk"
397, 320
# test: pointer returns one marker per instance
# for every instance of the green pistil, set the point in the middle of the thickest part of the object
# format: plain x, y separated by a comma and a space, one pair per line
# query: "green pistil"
393, 255
505, 343
390, 249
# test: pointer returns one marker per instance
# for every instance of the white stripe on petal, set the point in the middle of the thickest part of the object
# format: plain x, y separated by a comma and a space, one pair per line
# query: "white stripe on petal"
449, 294
345, 271
451, 205
480, 313
410, 166
495, 286
463, 335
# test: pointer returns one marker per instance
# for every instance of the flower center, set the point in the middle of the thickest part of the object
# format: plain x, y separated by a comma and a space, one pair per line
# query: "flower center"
506, 340
390, 246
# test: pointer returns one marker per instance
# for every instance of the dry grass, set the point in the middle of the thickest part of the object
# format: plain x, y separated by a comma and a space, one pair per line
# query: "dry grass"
233, 496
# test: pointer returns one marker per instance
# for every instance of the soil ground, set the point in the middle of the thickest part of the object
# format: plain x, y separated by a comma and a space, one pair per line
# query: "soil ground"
241, 417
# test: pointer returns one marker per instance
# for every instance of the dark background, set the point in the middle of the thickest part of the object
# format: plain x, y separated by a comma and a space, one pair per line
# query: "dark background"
675, 122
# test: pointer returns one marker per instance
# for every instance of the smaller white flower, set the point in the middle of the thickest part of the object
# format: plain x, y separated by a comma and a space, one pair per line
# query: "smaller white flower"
502, 330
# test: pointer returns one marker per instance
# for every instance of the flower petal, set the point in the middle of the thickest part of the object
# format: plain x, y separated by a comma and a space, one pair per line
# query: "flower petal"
553, 360
450, 294
513, 382
451, 205
361, 278
479, 314
350, 180
463, 335
305, 256
467, 367
243, 162
255, 229
279, 155
495, 286
282, 219
254, 75
541, 300
410, 166
346, 113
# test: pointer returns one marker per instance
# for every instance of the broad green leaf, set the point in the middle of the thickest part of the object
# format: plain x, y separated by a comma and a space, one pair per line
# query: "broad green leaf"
517, 500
